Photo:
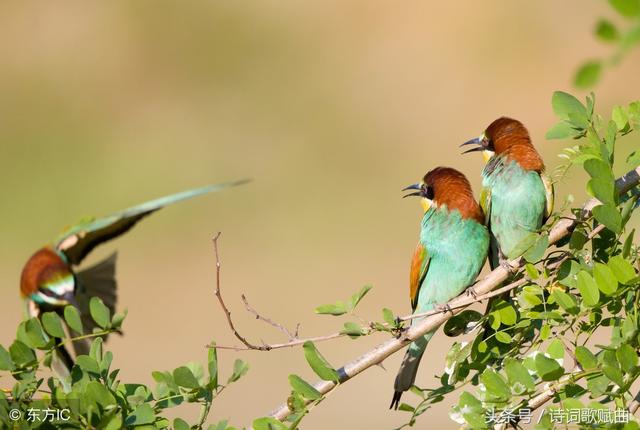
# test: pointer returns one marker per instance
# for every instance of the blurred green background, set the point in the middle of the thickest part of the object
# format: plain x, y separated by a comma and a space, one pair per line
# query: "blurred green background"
331, 107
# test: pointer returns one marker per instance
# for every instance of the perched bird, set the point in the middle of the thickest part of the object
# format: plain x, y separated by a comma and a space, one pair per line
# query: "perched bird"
49, 281
517, 195
451, 252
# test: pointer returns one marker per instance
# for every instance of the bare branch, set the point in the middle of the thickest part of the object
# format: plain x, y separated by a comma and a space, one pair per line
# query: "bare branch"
218, 294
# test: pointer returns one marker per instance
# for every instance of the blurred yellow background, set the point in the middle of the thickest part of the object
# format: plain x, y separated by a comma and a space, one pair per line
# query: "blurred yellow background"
331, 107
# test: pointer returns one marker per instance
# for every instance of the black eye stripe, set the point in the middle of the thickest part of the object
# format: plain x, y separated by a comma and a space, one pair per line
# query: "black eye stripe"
428, 192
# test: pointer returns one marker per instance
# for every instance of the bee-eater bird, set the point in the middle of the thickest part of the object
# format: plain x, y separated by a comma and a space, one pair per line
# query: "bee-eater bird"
451, 251
517, 195
49, 281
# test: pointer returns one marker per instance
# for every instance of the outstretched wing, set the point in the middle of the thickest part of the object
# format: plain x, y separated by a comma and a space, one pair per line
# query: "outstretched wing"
549, 193
419, 268
80, 239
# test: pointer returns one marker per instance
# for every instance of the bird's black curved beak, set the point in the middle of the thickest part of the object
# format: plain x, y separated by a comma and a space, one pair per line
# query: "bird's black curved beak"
475, 141
413, 187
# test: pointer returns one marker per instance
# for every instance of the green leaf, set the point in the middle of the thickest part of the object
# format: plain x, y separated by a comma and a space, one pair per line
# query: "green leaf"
586, 359
606, 31
98, 394
240, 368
458, 324
518, 374
268, 423
608, 215
619, 116
604, 277
88, 364
548, 368
6, 363
627, 357
72, 317
628, 243
389, 318
494, 384
21, 354
304, 388
523, 245
353, 330
614, 374
355, 299
336, 309
118, 319
185, 378
212, 364
537, 250
627, 8
556, 349
588, 289
180, 424
318, 363
598, 169
143, 414
561, 130
35, 333
566, 301
603, 190
52, 323
588, 74
622, 269
564, 104
99, 312
504, 337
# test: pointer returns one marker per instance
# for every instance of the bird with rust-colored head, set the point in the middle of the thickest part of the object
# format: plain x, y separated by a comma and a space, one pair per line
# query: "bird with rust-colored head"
451, 251
517, 195
49, 281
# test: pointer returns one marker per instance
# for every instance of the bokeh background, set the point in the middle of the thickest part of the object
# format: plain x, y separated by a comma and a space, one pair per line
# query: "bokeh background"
331, 107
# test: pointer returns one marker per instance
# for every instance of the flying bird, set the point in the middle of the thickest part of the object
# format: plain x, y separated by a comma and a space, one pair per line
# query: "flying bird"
49, 281
451, 251
517, 194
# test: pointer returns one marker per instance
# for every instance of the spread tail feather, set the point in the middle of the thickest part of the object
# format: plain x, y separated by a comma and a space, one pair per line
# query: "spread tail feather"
95, 281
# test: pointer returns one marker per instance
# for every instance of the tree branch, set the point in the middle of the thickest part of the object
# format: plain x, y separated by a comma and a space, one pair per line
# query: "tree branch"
563, 228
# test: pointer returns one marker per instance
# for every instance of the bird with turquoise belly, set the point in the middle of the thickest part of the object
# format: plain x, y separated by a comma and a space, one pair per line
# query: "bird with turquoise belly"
517, 194
49, 280
450, 253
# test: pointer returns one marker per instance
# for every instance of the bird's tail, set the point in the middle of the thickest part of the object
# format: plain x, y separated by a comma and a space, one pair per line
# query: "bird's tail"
408, 369
95, 281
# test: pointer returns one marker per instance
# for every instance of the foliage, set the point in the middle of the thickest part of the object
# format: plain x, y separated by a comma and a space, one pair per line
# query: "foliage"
94, 396
623, 39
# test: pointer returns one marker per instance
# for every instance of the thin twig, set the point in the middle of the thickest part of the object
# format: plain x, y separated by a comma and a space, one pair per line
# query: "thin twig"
218, 294
269, 321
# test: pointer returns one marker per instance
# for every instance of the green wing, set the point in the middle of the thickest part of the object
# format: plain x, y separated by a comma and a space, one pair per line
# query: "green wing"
549, 193
77, 241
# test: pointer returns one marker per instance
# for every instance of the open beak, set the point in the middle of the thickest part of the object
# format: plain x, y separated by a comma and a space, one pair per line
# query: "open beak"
475, 141
413, 187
